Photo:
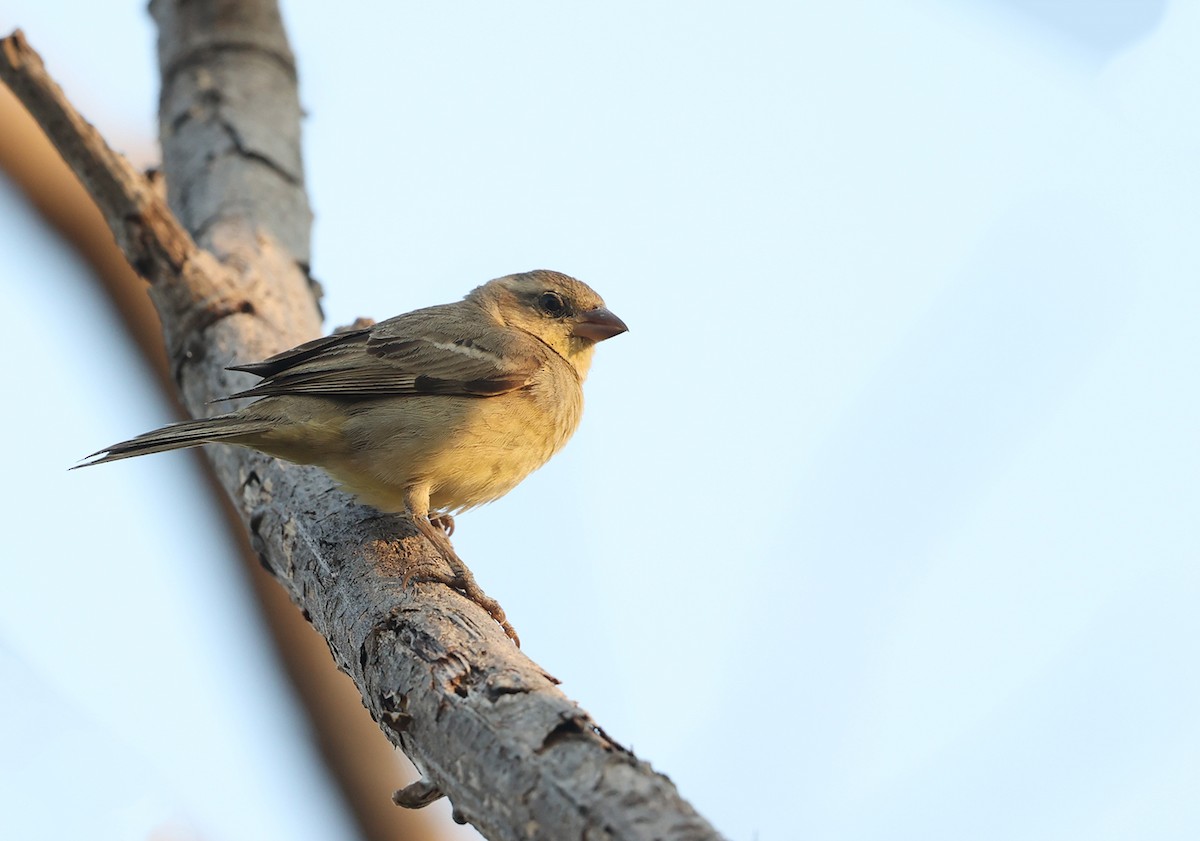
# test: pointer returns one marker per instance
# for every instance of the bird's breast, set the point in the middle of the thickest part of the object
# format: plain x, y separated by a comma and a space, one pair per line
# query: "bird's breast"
508, 438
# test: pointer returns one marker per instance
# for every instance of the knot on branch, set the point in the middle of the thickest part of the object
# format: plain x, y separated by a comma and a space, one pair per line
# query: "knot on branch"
418, 795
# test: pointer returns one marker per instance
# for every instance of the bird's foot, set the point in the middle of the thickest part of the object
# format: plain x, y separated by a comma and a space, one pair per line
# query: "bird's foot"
460, 577
466, 585
428, 571
445, 522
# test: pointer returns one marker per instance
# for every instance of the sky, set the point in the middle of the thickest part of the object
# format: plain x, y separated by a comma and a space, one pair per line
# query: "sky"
883, 515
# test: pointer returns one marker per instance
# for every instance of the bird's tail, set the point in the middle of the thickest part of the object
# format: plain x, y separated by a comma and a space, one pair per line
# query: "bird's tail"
175, 436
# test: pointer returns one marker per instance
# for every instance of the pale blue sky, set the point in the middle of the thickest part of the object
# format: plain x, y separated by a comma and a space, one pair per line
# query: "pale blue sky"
882, 520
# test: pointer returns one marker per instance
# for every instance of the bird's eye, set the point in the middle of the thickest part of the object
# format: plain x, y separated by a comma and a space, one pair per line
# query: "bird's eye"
552, 304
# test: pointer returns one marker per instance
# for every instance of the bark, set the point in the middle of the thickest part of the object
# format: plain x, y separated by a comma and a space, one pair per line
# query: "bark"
361, 763
484, 723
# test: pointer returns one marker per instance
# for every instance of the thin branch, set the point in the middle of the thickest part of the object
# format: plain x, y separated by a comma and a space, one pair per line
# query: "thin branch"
31, 163
484, 723
121, 192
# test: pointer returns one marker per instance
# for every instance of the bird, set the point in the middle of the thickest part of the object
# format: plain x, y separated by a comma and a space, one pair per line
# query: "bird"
430, 413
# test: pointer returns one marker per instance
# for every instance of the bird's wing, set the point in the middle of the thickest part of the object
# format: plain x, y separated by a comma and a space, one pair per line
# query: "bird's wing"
440, 350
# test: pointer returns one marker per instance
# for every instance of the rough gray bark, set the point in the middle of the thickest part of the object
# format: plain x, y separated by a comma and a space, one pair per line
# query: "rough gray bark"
484, 723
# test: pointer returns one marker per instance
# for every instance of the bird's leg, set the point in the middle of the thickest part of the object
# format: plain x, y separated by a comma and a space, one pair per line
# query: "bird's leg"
434, 529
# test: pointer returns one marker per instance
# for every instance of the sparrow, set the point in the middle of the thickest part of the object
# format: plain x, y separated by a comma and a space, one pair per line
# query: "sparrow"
430, 413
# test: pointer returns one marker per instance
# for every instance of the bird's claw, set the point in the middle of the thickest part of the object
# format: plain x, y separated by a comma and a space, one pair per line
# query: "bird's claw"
467, 586
475, 594
445, 522
459, 576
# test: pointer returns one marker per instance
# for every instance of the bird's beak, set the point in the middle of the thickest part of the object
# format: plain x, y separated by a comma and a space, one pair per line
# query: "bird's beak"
598, 324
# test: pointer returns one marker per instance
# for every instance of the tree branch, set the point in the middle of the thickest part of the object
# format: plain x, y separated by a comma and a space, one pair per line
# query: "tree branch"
484, 723
361, 763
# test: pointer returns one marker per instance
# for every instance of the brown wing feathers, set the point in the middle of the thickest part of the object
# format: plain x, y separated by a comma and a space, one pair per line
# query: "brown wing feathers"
302, 353
346, 365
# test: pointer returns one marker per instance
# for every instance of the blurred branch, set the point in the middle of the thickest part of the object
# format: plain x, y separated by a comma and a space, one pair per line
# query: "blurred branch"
361, 762
32, 164
483, 722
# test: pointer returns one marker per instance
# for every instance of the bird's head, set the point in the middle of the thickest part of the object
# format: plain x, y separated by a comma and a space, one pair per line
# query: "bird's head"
563, 312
